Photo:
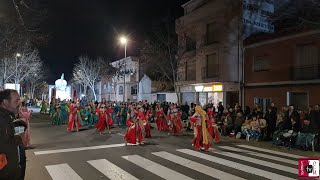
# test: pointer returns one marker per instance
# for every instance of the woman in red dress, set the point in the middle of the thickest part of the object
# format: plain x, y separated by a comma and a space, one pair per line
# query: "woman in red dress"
212, 126
74, 119
135, 127
102, 119
161, 121
202, 139
174, 120
144, 115
109, 112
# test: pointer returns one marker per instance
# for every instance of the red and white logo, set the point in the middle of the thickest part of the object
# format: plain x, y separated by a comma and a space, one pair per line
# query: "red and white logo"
308, 168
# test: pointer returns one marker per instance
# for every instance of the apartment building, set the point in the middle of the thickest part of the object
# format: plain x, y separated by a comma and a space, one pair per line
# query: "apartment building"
209, 52
284, 69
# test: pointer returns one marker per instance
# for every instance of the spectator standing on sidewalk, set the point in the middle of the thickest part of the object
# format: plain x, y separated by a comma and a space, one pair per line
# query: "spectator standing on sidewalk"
12, 153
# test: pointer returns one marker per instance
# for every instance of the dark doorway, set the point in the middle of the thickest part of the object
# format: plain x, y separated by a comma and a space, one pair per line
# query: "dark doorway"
161, 98
232, 98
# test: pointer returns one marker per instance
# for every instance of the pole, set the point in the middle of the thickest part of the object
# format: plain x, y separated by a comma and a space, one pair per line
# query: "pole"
124, 74
15, 78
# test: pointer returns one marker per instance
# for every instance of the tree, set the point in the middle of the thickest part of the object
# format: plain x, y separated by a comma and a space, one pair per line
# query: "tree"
88, 72
158, 56
36, 82
16, 69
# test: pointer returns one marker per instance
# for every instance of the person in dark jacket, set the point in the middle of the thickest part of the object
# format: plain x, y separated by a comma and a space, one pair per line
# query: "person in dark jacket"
12, 159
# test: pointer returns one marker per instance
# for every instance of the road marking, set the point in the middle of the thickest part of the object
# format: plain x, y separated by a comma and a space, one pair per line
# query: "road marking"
270, 151
62, 172
196, 166
257, 161
155, 168
81, 149
112, 171
266, 156
120, 134
235, 165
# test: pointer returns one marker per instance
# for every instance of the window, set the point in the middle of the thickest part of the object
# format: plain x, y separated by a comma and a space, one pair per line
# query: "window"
298, 99
120, 90
307, 64
191, 70
134, 90
190, 44
211, 33
261, 63
264, 103
307, 55
212, 62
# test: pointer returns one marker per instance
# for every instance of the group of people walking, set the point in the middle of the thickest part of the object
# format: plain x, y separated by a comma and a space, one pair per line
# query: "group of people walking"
137, 116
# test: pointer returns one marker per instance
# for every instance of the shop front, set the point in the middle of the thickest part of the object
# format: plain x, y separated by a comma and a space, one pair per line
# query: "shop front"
215, 93
210, 94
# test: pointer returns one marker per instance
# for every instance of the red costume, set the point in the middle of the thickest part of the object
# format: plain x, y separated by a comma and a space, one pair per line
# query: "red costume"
102, 120
109, 117
74, 119
135, 128
174, 117
202, 136
146, 123
161, 120
212, 126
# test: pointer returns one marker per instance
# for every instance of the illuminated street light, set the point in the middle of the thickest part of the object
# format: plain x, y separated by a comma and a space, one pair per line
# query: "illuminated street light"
124, 41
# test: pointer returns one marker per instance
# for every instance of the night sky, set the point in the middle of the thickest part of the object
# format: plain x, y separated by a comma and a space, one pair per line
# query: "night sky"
83, 27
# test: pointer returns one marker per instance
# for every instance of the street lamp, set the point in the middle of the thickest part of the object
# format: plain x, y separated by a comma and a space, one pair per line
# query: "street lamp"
124, 41
16, 73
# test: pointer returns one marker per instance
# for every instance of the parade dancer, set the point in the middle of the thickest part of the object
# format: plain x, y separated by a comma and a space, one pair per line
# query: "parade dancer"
144, 116
212, 126
174, 120
202, 139
88, 116
110, 119
43, 109
123, 114
135, 129
74, 119
161, 121
102, 119
63, 113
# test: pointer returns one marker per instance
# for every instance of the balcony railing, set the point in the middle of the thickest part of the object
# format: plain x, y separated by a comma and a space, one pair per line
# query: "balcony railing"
305, 72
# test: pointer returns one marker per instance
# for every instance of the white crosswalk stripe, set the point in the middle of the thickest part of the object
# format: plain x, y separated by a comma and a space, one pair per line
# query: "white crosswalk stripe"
271, 151
196, 166
155, 168
266, 156
256, 161
235, 165
62, 172
110, 170
183, 159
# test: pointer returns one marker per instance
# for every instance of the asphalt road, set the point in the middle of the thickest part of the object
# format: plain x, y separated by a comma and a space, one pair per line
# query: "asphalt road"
88, 155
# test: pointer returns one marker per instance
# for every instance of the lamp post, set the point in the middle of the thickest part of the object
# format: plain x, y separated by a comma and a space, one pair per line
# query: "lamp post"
123, 40
16, 72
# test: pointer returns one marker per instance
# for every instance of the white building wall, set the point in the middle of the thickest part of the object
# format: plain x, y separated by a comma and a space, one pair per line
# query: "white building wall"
145, 89
171, 97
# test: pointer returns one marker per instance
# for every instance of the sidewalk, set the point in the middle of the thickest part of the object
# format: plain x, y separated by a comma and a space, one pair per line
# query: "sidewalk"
263, 144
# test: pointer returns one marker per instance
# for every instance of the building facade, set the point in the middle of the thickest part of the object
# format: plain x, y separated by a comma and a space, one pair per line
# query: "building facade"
210, 67
137, 87
284, 70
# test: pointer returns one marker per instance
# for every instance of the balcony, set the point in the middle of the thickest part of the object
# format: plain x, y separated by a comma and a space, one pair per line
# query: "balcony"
311, 72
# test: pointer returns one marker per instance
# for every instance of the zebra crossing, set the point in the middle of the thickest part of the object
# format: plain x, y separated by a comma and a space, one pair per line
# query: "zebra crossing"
219, 163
